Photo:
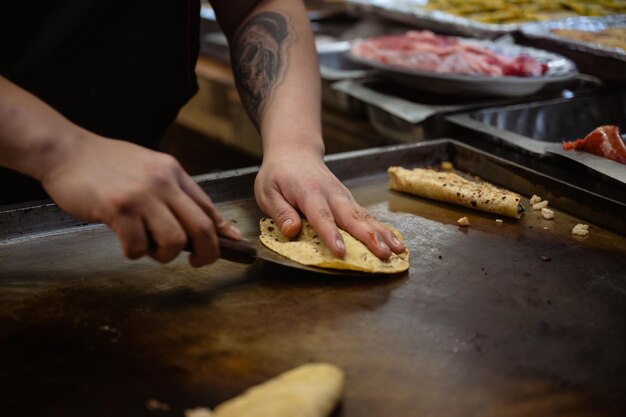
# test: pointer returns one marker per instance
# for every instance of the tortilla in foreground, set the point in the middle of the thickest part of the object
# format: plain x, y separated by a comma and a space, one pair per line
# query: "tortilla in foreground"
310, 390
452, 188
308, 249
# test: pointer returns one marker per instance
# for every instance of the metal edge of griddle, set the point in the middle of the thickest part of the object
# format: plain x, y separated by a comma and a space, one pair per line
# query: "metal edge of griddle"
27, 220
30, 220
568, 197
530, 153
565, 196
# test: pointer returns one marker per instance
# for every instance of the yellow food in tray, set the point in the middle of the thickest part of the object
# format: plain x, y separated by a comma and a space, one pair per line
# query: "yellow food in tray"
612, 37
515, 11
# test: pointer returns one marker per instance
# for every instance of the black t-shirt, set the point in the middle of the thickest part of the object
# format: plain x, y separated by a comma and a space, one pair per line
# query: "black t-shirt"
121, 69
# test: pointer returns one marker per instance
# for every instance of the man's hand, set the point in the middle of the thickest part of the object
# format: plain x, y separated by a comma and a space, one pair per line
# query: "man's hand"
287, 183
144, 196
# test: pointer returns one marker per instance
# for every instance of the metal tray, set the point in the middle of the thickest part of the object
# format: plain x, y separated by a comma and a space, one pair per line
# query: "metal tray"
518, 315
408, 115
537, 130
593, 59
334, 67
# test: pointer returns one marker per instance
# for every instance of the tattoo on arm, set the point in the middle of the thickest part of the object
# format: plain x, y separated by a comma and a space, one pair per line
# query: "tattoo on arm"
259, 60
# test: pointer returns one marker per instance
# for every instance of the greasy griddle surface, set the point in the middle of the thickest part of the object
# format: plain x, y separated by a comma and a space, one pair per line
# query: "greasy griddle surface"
498, 319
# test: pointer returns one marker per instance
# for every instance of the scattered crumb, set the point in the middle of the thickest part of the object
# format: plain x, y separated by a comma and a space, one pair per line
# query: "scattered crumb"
534, 199
540, 205
546, 228
547, 214
546, 258
154, 405
581, 229
198, 412
463, 221
447, 166
499, 220
109, 329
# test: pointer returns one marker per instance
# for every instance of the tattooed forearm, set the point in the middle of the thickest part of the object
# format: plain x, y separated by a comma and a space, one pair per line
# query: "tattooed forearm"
259, 60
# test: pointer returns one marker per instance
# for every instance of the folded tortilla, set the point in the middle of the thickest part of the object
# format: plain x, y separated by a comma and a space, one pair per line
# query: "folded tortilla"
307, 248
452, 188
310, 390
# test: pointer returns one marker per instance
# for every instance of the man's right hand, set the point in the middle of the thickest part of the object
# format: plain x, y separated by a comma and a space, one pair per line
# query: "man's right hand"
144, 196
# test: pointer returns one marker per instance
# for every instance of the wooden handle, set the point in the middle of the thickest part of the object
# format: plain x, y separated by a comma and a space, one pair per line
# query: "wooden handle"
238, 251
232, 250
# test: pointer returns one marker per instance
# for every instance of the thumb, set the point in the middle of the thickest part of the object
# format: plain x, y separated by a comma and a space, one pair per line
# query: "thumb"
284, 215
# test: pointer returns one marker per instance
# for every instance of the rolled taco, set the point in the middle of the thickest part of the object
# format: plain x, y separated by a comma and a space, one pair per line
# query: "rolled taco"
452, 188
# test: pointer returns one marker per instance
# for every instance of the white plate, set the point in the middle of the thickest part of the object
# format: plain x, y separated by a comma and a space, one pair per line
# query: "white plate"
560, 69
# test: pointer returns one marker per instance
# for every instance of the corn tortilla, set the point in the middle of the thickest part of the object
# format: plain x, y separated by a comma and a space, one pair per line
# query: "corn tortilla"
308, 249
452, 188
310, 390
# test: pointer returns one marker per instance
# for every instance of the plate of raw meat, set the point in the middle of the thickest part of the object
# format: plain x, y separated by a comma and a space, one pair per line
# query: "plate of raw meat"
453, 65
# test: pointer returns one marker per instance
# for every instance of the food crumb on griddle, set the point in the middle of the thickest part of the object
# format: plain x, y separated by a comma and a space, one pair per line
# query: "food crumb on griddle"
198, 412
546, 258
447, 166
547, 214
540, 205
463, 221
535, 199
154, 405
581, 229
499, 220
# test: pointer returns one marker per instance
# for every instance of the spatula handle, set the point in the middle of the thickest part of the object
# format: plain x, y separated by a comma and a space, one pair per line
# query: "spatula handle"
238, 251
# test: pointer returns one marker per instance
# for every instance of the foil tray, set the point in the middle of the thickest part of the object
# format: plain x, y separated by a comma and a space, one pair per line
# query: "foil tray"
409, 12
543, 30
604, 62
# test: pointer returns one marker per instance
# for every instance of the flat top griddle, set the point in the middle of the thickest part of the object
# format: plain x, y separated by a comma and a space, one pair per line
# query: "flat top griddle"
517, 318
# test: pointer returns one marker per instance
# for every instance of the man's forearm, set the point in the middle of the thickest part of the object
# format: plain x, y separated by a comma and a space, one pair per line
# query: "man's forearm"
277, 75
260, 59
32, 134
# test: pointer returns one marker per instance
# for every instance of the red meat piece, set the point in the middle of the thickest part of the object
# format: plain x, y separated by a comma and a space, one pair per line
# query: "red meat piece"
604, 141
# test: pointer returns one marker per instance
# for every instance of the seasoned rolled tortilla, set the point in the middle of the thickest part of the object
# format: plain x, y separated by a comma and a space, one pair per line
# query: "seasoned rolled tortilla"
452, 188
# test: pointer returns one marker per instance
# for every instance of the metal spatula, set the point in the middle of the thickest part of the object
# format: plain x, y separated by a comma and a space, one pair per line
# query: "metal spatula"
242, 251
